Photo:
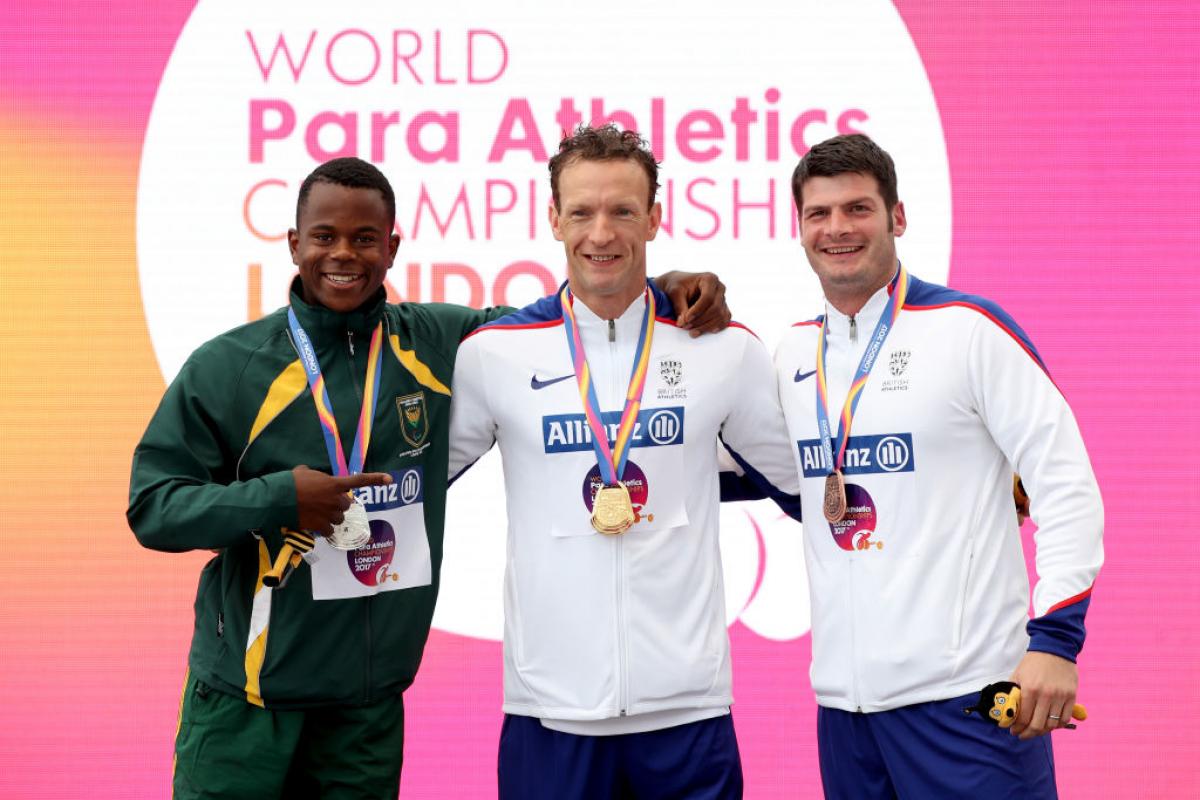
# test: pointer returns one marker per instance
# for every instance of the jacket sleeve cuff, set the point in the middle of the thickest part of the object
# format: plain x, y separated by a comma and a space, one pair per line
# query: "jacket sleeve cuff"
1053, 646
1061, 631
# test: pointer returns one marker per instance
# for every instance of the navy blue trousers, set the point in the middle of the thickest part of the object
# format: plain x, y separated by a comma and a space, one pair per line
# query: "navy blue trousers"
697, 761
929, 750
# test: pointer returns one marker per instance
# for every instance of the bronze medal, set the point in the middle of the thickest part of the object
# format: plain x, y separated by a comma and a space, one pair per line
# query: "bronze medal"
612, 509
835, 497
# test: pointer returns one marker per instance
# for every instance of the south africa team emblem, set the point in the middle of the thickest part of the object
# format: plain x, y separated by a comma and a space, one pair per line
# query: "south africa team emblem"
414, 419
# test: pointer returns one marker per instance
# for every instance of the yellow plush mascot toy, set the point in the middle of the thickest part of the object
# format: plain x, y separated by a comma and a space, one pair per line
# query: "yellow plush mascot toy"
1000, 702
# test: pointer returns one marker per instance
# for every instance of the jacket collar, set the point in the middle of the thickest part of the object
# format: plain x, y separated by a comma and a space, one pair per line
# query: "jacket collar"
866, 318
318, 319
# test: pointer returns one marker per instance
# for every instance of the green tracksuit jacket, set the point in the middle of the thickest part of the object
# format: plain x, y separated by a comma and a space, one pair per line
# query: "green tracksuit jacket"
213, 471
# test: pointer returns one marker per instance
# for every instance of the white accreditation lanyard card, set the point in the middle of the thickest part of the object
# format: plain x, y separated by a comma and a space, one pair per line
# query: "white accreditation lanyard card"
396, 557
655, 481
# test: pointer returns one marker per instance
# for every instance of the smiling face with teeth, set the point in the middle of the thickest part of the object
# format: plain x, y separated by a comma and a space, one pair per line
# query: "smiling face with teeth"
604, 223
343, 246
849, 236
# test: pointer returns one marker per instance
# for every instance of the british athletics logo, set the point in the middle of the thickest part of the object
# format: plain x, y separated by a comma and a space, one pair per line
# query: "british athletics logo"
655, 427
881, 453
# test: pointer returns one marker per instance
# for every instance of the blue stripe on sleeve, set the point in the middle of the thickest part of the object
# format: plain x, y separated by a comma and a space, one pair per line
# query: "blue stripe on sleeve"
1060, 632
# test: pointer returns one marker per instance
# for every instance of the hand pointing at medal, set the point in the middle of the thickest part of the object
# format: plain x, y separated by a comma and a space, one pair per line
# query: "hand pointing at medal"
322, 499
322, 502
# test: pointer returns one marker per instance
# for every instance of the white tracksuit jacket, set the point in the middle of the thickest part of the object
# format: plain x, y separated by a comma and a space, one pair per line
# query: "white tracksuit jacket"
596, 626
922, 594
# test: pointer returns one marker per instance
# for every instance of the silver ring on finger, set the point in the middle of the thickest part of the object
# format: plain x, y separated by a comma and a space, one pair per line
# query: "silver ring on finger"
1055, 717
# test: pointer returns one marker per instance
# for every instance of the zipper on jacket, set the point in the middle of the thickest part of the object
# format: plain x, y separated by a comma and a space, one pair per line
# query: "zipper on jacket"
622, 645
367, 605
618, 391
853, 640
853, 331
359, 382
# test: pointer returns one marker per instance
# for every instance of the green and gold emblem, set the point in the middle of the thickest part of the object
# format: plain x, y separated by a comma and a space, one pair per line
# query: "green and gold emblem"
414, 418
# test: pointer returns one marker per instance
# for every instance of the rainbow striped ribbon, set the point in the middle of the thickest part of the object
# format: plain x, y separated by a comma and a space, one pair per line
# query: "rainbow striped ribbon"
316, 383
610, 459
897, 292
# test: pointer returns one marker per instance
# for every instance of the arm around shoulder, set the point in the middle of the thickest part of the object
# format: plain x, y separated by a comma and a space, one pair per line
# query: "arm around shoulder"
451, 323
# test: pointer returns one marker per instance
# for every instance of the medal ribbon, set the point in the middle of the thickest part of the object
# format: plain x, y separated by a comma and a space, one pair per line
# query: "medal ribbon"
316, 383
899, 290
611, 460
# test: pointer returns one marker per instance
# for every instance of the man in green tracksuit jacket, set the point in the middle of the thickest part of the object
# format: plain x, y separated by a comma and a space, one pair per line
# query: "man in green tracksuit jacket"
235, 454
296, 691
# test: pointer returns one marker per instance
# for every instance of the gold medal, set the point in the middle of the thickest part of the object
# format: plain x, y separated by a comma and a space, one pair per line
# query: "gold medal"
612, 509
835, 497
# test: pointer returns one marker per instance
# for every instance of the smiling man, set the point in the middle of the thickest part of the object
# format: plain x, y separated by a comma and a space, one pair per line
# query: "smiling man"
340, 248
910, 406
320, 429
282, 427
617, 677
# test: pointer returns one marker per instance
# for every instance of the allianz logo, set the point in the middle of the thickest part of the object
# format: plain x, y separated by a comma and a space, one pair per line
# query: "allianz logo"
878, 453
405, 489
654, 427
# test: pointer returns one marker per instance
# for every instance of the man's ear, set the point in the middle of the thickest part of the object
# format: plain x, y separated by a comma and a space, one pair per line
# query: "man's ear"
552, 213
655, 221
899, 223
293, 237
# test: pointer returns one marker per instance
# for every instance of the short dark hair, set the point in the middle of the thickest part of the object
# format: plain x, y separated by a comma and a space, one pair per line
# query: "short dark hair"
353, 173
603, 143
853, 152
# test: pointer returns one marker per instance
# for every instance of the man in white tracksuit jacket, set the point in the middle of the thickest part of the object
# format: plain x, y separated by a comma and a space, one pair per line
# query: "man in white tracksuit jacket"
919, 591
617, 676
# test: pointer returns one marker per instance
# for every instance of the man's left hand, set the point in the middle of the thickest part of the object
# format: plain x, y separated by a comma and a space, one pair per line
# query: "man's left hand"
699, 300
1048, 685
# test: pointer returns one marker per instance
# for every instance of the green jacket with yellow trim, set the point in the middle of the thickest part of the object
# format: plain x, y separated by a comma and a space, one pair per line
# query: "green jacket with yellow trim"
213, 471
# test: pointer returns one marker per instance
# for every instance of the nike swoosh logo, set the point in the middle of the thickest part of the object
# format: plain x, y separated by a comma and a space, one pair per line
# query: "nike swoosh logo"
801, 376
535, 384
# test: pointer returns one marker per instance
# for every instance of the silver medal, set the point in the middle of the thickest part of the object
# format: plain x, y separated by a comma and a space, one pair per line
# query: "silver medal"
354, 530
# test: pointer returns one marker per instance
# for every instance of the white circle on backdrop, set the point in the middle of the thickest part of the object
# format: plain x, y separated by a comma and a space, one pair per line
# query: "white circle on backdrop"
211, 256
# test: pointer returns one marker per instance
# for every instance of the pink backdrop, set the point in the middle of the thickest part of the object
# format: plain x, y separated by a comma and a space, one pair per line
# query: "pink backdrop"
1073, 137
